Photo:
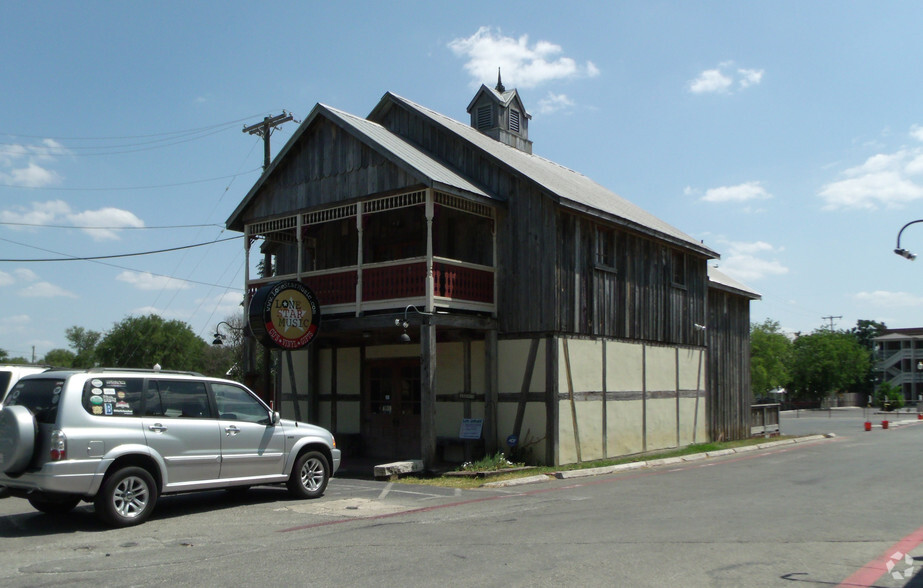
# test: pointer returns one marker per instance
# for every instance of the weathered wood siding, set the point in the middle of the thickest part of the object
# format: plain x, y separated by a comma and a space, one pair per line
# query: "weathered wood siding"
327, 166
728, 372
546, 267
526, 230
636, 297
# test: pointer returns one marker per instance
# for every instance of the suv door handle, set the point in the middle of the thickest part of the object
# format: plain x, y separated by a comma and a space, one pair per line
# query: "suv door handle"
232, 430
157, 427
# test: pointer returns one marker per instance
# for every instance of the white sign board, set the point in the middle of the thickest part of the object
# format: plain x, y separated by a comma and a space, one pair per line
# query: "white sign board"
470, 429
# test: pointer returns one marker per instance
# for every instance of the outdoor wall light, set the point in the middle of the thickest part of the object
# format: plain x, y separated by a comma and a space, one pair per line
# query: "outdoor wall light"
219, 338
405, 338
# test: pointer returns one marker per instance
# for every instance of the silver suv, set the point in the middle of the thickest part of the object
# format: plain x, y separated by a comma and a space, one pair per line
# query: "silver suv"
121, 438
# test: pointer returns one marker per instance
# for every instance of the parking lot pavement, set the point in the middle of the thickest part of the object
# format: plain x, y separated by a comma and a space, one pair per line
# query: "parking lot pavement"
841, 421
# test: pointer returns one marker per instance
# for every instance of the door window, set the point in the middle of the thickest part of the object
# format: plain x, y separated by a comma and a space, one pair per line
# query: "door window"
236, 404
177, 399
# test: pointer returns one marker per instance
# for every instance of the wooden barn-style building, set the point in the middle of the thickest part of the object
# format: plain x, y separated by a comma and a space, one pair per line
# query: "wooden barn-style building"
469, 288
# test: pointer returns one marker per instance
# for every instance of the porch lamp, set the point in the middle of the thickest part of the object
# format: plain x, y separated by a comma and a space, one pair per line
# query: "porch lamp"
900, 250
219, 338
403, 323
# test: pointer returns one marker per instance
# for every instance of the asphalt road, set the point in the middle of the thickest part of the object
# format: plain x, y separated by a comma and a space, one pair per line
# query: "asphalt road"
806, 514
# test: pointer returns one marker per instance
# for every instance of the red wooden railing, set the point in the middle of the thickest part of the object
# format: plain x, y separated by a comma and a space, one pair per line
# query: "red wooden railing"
397, 281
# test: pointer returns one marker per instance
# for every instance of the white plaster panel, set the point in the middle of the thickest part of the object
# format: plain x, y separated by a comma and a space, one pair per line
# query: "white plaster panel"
661, 423
512, 361
585, 365
624, 367
624, 430
661, 368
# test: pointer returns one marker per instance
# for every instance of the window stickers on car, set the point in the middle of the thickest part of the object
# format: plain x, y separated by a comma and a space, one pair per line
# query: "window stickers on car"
104, 397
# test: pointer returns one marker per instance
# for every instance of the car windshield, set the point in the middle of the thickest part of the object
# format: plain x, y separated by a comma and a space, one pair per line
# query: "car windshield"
5, 381
38, 395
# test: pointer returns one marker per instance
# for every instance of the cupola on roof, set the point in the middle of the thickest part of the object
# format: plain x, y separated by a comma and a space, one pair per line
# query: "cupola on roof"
500, 114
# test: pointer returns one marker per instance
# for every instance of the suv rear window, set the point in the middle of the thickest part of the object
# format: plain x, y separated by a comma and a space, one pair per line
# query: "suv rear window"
41, 396
113, 396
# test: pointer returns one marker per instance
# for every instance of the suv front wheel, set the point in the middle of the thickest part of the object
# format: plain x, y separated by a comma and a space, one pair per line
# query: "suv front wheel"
127, 497
309, 476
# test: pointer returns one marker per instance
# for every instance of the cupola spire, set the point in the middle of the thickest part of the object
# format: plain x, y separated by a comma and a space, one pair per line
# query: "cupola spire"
499, 87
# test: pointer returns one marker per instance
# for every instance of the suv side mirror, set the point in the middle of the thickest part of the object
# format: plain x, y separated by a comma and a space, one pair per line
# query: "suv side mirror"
274, 418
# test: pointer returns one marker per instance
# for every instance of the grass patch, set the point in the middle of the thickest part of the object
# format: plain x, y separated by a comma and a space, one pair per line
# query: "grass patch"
469, 483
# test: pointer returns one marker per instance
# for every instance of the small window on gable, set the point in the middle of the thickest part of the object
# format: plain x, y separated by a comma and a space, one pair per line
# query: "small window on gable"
605, 247
485, 116
679, 268
514, 120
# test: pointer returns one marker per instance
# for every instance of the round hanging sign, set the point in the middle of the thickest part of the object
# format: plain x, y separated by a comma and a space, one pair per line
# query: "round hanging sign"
284, 314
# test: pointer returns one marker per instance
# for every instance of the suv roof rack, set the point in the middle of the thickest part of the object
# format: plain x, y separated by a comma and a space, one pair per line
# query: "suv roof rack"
144, 371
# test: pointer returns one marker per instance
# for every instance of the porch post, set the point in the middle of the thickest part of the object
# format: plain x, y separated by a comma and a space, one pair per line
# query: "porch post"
359, 259
490, 392
430, 284
428, 393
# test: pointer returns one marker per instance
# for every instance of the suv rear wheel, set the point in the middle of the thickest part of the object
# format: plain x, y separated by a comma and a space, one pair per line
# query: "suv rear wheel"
127, 497
309, 476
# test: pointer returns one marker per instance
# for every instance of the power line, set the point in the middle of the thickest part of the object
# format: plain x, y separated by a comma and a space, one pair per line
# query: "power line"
126, 188
93, 258
124, 137
121, 228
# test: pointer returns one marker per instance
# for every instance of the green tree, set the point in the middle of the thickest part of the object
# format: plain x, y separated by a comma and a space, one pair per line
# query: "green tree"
59, 358
865, 332
770, 354
142, 342
83, 342
826, 362
4, 355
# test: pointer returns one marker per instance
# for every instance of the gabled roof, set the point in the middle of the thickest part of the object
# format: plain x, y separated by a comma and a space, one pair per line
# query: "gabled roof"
503, 98
722, 281
571, 188
405, 155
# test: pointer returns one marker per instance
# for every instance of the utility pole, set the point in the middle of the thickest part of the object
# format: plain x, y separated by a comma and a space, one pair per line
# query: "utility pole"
830, 318
264, 129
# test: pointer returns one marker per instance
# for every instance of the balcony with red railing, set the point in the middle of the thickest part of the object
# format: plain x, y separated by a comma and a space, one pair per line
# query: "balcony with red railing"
395, 284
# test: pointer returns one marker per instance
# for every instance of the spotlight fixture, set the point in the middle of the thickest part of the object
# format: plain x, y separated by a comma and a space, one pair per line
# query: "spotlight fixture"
906, 254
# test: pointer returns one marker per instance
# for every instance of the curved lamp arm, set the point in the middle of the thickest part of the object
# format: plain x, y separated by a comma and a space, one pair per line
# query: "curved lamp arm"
900, 250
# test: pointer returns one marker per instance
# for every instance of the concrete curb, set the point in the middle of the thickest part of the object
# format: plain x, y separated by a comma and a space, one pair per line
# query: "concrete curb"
636, 465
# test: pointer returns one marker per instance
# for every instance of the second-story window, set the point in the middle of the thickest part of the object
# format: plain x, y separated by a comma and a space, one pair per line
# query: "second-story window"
678, 259
605, 248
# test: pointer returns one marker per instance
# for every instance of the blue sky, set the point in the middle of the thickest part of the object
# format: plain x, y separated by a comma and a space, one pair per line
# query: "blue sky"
786, 135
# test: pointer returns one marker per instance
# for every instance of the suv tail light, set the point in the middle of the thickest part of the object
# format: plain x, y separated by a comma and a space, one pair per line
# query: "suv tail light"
58, 446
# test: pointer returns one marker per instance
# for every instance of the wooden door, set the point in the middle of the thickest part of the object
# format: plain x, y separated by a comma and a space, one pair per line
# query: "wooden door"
392, 409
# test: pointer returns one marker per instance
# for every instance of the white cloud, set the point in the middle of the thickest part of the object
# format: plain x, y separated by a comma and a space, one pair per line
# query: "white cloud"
886, 299
45, 290
162, 313
59, 212
710, 81
750, 77
19, 164
148, 281
522, 65
883, 180
17, 320
18, 275
554, 103
739, 193
723, 79
105, 217
751, 261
